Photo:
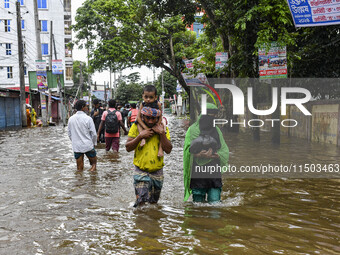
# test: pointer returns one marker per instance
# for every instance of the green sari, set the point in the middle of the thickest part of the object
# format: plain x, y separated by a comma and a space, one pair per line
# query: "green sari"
192, 133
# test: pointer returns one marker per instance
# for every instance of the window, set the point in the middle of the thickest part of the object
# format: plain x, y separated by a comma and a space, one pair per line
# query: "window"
69, 73
7, 25
9, 72
22, 2
6, 3
68, 30
42, 4
23, 24
67, 5
8, 49
43, 26
44, 48
24, 47
68, 52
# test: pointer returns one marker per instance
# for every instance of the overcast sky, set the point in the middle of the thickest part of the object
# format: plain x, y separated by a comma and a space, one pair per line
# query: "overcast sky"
100, 78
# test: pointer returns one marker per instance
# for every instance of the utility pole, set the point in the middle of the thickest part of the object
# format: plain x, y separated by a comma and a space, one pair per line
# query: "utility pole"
154, 76
21, 68
163, 93
105, 94
111, 90
114, 85
39, 57
50, 67
63, 118
89, 80
81, 81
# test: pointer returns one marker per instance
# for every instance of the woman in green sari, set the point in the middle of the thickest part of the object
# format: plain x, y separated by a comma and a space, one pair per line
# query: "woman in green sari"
199, 178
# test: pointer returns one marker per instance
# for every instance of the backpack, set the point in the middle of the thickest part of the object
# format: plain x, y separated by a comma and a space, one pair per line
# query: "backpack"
125, 113
111, 122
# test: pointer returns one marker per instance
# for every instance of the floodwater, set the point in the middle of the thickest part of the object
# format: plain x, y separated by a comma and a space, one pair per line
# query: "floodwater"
46, 207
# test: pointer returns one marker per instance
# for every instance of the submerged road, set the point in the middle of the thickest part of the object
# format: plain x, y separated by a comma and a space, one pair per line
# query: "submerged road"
46, 207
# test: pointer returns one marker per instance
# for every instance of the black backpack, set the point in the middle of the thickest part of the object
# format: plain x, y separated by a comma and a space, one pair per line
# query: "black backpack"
125, 113
111, 122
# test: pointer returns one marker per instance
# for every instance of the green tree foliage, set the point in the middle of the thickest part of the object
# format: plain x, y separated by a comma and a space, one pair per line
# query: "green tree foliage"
244, 26
76, 77
317, 53
76, 73
130, 33
123, 34
129, 88
170, 84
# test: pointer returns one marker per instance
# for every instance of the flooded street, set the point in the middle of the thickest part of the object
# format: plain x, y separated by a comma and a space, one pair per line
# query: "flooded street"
46, 207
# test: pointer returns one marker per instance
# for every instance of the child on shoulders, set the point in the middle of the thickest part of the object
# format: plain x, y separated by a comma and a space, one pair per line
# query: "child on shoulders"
150, 100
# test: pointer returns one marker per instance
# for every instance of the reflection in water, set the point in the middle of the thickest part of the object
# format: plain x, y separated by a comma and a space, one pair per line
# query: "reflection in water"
148, 224
46, 207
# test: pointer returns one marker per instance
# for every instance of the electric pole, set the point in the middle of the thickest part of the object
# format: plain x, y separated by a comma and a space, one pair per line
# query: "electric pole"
111, 83
39, 57
105, 93
63, 117
163, 94
114, 85
154, 76
81, 81
89, 79
50, 67
21, 68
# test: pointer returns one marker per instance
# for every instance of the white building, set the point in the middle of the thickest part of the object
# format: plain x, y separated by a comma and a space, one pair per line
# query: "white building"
57, 11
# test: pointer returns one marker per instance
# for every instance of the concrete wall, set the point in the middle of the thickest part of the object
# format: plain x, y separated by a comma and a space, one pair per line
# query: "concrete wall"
302, 130
325, 123
323, 126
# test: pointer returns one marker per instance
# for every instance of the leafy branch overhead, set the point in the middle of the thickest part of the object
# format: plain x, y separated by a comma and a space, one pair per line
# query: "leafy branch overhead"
128, 33
122, 34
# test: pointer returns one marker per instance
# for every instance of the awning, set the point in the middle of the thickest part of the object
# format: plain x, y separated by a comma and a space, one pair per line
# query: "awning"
27, 88
56, 98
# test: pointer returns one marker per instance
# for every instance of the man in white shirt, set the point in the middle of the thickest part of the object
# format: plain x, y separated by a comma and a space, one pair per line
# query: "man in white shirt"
82, 133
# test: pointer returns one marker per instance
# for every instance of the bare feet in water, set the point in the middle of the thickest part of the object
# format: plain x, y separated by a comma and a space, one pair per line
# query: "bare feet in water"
93, 168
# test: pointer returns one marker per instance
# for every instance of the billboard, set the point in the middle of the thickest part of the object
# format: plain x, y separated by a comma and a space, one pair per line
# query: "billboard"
273, 63
221, 60
41, 75
308, 13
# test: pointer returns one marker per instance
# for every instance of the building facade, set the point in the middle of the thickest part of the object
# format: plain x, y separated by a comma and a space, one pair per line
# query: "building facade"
197, 26
57, 11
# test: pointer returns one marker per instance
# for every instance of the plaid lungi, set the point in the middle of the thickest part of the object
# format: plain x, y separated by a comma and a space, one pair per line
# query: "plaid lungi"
147, 185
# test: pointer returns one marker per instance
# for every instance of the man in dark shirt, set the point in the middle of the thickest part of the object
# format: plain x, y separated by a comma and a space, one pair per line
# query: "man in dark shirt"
96, 115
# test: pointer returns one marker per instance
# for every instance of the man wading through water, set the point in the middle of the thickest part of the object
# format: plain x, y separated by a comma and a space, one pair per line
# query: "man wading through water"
82, 133
148, 176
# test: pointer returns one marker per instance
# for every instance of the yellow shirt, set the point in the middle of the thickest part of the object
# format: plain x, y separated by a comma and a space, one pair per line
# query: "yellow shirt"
146, 157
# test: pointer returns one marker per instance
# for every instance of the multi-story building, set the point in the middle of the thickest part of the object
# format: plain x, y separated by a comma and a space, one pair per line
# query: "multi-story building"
57, 11
197, 26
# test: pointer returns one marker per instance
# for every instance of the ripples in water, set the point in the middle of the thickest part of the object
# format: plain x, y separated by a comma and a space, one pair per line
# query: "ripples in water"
49, 208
